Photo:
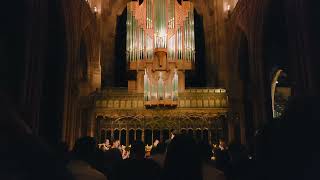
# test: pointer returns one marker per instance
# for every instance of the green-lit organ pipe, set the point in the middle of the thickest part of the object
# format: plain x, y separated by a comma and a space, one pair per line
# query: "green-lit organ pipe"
192, 35
135, 38
171, 48
179, 43
129, 29
160, 23
171, 12
149, 14
185, 28
141, 43
149, 48
146, 86
189, 37
175, 82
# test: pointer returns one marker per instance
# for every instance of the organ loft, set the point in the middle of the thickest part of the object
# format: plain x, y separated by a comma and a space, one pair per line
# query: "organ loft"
160, 49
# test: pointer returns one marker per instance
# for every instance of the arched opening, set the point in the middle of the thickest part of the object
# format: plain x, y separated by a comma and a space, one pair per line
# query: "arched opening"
123, 137
165, 134
102, 136
148, 137
156, 134
280, 93
276, 58
183, 131
247, 89
108, 134
190, 132
198, 135
139, 134
116, 134
205, 135
131, 136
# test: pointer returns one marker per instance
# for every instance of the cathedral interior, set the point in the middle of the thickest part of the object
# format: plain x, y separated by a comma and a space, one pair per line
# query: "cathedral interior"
128, 70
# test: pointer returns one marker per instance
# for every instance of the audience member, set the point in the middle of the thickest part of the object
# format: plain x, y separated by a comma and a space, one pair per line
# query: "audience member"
208, 169
23, 155
182, 161
84, 155
137, 166
159, 154
222, 156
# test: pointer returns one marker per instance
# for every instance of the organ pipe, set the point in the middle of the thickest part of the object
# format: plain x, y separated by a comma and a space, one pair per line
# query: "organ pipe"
152, 25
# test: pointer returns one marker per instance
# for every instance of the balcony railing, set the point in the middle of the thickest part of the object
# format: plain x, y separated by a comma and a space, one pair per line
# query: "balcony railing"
121, 98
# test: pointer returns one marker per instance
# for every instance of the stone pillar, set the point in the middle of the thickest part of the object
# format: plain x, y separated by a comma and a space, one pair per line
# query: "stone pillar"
112, 135
142, 136
151, 136
135, 134
127, 137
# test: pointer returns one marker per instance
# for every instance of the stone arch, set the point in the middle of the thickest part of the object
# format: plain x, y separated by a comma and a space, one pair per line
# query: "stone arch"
241, 90
280, 95
275, 53
273, 87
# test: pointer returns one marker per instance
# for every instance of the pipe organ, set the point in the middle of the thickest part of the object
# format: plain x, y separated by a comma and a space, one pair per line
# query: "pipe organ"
160, 48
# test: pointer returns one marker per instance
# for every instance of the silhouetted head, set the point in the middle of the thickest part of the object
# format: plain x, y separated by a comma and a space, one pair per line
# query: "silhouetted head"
138, 150
85, 149
205, 151
237, 153
159, 149
182, 159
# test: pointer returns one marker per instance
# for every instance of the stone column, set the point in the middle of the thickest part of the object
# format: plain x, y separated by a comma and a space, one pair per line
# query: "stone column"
151, 136
142, 136
209, 136
127, 137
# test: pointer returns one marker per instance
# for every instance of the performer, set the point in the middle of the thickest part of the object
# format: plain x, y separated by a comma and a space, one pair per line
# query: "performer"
105, 146
172, 134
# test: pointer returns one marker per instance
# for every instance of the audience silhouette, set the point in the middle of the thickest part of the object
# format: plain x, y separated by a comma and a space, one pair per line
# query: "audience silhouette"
285, 148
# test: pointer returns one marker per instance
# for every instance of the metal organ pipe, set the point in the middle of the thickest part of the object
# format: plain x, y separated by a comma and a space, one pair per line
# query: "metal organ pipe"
158, 27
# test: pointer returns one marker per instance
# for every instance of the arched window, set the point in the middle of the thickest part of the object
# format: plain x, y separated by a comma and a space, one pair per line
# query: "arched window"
205, 135
280, 93
183, 131
190, 132
116, 134
156, 134
123, 137
198, 135
165, 134
139, 134
102, 135
131, 136
148, 136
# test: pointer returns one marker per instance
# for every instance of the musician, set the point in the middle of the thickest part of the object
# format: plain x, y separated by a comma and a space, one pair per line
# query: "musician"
105, 146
